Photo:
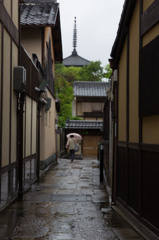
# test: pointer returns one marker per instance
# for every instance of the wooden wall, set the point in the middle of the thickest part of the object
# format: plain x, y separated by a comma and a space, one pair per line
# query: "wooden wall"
138, 141
9, 46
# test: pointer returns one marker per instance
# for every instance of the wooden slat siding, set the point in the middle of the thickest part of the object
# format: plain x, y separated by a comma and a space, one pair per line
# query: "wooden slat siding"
121, 176
29, 158
146, 174
150, 193
8, 24
150, 17
133, 180
8, 168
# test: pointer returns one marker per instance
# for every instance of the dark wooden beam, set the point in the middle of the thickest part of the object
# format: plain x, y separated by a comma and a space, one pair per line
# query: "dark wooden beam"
150, 17
8, 24
91, 99
93, 114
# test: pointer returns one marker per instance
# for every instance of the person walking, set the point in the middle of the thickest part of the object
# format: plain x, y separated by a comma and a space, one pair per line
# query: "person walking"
71, 145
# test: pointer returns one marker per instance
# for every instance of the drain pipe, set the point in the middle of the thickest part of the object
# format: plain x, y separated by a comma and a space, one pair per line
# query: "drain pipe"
38, 142
101, 161
21, 101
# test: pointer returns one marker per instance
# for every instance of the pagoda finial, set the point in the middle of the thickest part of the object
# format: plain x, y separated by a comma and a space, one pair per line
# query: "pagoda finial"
74, 38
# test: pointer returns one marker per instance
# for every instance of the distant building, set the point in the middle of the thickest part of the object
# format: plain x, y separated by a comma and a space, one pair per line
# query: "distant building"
74, 59
88, 104
89, 99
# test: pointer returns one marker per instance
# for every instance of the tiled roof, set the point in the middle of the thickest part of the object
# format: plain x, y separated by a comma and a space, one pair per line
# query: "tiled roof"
38, 12
90, 89
84, 124
76, 61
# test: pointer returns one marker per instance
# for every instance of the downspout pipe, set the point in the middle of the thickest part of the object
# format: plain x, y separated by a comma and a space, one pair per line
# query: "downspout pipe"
21, 102
38, 143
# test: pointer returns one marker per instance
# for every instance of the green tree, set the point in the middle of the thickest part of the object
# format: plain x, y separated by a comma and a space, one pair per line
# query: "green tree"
64, 91
92, 72
68, 73
108, 72
64, 79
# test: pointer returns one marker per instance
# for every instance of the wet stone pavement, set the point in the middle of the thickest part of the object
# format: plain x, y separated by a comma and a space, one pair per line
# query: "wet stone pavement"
69, 203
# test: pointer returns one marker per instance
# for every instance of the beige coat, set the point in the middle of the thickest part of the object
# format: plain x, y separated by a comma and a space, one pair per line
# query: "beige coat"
71, 143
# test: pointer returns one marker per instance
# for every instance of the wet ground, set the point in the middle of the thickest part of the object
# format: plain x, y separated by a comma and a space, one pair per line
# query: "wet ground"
69, 202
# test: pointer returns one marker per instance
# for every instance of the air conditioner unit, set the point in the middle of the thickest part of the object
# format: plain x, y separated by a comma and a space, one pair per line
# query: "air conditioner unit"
115, 74
19, 79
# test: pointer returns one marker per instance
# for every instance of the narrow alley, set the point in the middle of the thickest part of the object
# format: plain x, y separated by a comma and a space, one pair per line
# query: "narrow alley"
69, 202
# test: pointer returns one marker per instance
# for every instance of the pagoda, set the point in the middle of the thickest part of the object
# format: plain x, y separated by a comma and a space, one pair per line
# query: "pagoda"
74, 59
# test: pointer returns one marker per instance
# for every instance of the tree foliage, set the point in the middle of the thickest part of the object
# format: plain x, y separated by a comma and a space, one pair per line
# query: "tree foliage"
108, 72
64, 92
92, 72
64, 79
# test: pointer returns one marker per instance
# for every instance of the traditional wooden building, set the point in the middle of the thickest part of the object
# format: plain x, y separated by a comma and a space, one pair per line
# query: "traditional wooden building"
9, 48
41, 37
91, 132
135, 115
88, 104
25, 99
89, 99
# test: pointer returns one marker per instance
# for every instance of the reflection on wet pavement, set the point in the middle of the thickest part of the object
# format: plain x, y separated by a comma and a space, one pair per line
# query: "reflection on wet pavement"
69, 202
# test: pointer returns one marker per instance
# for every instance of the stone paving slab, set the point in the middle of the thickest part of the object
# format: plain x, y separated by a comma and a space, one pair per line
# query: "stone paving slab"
69, 203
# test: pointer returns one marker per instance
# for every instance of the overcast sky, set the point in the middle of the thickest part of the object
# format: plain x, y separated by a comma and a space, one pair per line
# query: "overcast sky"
97, 24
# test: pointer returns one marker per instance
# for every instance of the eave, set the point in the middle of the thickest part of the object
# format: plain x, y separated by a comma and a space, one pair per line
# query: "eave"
57, 39
126, 15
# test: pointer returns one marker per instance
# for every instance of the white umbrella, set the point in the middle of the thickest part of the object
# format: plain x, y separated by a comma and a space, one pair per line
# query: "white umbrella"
76, 136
